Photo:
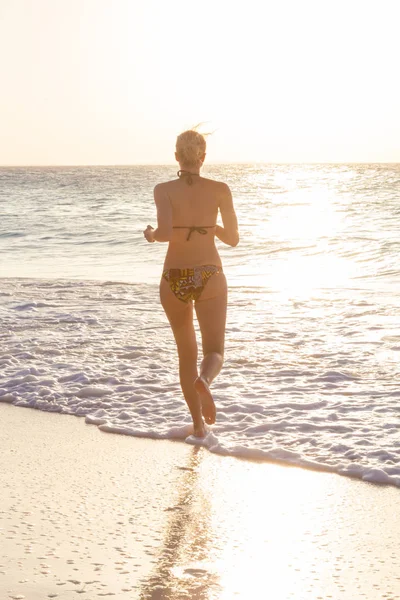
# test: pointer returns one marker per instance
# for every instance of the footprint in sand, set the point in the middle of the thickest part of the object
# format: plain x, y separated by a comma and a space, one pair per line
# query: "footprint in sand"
196, 572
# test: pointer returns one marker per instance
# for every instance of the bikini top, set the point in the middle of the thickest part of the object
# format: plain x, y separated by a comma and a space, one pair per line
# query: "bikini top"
201, 229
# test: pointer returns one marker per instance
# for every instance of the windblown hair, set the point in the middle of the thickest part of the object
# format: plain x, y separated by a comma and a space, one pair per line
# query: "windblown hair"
190, 147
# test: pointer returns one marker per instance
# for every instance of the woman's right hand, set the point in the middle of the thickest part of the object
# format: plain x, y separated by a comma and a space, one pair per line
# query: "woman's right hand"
149, 234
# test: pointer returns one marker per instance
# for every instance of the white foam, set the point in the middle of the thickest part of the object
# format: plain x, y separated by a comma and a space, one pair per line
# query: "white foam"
275, 400
91, 390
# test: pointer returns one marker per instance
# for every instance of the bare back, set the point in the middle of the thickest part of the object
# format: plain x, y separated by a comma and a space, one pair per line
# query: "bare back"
180, 209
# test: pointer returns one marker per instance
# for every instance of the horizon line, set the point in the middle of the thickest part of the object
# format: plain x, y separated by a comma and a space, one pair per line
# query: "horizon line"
37, 165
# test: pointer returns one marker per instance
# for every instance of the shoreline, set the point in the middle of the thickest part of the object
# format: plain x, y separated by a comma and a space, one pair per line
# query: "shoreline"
250, 455
132, 518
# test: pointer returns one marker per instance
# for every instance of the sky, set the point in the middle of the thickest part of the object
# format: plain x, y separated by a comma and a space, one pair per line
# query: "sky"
115, 81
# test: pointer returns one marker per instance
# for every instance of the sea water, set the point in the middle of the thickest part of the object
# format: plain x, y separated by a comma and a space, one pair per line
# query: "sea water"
311, 375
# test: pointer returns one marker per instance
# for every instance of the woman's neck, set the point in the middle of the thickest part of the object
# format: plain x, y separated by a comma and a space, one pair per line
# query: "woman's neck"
192, 171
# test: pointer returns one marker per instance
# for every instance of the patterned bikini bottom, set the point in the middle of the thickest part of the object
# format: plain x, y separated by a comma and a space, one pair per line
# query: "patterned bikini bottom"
188, 284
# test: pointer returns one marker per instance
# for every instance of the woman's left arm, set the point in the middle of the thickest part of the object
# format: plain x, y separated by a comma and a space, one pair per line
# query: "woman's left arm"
164, 218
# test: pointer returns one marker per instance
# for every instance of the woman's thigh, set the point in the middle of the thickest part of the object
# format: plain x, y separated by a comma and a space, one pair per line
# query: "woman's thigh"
180, 317
211, 314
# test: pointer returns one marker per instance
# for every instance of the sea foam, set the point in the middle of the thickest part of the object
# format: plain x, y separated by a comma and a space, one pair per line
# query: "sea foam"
275, 401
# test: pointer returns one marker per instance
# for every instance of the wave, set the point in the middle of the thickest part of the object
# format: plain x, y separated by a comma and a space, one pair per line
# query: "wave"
104, 351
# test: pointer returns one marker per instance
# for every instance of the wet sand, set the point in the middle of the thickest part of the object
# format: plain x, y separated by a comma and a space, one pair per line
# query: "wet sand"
94, 515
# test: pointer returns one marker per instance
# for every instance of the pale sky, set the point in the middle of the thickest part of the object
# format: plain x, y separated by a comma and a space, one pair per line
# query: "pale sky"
115, 81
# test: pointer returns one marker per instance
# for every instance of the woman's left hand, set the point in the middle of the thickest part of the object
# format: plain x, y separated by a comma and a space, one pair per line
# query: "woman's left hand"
149, 234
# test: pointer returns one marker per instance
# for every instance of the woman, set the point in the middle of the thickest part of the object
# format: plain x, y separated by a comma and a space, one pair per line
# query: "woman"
187, 211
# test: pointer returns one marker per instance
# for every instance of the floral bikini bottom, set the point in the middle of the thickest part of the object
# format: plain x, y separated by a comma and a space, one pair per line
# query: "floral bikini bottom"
188, 284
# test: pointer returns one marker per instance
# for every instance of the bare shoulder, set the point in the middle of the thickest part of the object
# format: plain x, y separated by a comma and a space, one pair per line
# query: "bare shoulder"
223, 193
162, 190
219, 187
161, 187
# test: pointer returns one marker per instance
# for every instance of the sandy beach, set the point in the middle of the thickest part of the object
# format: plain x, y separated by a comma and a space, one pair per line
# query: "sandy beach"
90, 514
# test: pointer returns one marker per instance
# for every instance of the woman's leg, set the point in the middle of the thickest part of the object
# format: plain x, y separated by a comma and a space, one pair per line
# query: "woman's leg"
180, 316
211, 314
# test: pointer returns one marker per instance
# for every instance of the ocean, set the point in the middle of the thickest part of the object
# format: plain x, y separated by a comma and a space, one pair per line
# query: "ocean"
311, 376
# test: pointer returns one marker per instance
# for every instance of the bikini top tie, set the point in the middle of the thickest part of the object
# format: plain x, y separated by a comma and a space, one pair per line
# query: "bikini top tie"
202, 229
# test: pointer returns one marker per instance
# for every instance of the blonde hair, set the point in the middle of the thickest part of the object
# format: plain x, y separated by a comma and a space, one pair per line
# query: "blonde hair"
190, 148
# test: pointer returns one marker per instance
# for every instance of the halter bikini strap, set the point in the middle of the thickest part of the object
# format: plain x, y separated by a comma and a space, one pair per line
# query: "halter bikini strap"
181, 173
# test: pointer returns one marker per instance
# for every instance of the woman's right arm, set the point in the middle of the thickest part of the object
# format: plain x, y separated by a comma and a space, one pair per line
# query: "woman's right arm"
229, 233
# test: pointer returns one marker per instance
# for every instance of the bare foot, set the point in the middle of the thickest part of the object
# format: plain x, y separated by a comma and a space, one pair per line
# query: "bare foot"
206, 399
200, 431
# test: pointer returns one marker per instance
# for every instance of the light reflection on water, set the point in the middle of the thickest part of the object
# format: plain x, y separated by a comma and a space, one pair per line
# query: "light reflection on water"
298, 276
87, 222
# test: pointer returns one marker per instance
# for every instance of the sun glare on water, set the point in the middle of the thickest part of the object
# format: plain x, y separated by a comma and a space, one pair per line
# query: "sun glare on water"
298, 254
